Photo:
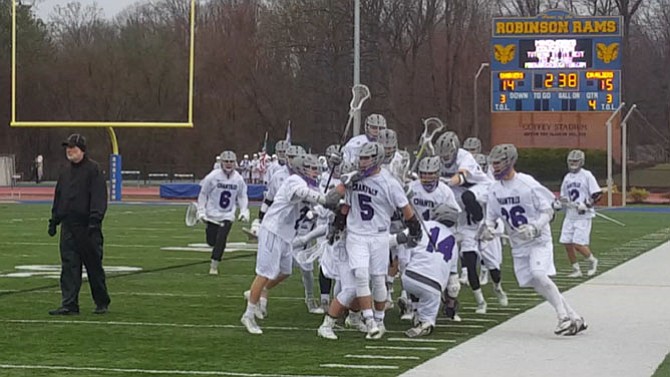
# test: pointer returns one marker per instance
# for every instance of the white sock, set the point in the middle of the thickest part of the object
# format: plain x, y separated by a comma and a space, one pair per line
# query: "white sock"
250, 310
367, 314
379, 316
575, 267
547, 289
214, 264
403, 294
591, 258
325, 298
479, 296
328, 321
264, 302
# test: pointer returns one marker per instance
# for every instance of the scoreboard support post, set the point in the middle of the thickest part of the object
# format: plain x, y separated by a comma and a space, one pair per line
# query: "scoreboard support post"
610, 180
624, 155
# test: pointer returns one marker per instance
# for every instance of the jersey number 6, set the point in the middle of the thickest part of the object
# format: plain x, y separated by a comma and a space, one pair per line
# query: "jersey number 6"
224, 200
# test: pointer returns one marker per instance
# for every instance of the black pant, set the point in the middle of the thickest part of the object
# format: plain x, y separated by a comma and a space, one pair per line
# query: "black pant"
77, 247
217, 236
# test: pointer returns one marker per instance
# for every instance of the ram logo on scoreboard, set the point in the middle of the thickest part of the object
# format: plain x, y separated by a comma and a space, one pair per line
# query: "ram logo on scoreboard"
556, 62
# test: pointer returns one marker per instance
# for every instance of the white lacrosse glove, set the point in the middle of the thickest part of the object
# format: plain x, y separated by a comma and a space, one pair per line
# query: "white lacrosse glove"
244, 216
350, 178
581, 208
201, 216
255, 226
332, 199
299, 242
564, 201
528, 232
335, 159
557, 205
486, 233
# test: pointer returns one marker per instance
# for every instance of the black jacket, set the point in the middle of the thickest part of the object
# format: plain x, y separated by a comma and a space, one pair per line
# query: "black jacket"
81, 195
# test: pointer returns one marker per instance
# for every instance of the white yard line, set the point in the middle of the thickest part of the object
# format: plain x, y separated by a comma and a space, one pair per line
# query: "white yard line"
421, 340
400, 348
358, 366
148, 371
382, 357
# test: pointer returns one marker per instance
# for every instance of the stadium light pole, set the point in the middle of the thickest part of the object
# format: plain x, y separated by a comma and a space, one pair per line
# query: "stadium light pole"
474, 86
624, 154
357, 60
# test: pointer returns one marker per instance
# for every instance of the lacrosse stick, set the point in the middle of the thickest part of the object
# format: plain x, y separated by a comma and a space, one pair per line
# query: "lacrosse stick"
598, 214
191, 218
426, 140
310, 254
360, 94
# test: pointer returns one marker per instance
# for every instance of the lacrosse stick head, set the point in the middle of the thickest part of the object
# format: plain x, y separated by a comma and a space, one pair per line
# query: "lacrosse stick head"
576, 160
431, 126
429, 172
502, 159
389, 139
191, 217
473, 145
359, 94
310, 254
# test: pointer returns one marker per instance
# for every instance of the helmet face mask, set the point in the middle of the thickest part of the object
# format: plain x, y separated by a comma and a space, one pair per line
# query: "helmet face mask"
389, 139
447, 147
292, 152
370, 158
228, 161
576, 160
429, 173
502, 159
374, 123
483, 161
309, 169
280, 150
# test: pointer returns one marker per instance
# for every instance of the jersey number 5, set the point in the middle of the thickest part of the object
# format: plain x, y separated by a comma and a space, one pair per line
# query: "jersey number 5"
367, 212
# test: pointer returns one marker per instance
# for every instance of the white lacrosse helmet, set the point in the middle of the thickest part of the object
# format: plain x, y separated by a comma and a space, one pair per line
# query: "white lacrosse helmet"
291, 153
502, 158
447, 147
373, 124
482, 161
228, 161
308, 167
280, 149
473, 145
370, 158
576, 160
429, 172
389, 140
445, 213
246, 156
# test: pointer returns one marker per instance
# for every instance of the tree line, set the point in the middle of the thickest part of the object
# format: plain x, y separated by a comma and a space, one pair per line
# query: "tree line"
263, 63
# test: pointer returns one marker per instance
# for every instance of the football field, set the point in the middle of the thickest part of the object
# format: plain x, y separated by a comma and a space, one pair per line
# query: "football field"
169, 317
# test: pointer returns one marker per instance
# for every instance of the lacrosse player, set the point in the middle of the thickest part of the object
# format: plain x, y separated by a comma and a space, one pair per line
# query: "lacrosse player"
374, 123
280, 149
473, 145
526, 209
221, 191
370, 203
428, 272
274, 260
470, 186
579, 191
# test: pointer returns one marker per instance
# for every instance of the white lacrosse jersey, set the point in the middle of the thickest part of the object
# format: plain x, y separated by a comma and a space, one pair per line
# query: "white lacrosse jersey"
520, 201
352, 148
434, 264
273, 167
278, 178
372, 201
220, 193
424, 201
465, 161
286, 212
579, 187
323, 180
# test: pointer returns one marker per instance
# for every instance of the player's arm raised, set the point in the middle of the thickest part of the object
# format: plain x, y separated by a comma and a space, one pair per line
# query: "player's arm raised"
243, 200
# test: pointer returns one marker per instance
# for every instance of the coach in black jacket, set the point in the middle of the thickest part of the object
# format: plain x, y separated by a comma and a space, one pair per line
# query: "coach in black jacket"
79, 207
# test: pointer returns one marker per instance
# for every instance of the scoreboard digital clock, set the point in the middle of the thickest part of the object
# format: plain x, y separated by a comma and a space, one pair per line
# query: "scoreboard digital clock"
558, 62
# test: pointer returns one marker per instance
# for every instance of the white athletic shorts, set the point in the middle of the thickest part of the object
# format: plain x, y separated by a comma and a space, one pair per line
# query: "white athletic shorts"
491, 253
533, 258
369, 251
274, 255
429, 298
576, 231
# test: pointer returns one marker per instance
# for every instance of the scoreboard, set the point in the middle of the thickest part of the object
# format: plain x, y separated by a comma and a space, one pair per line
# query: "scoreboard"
556, 62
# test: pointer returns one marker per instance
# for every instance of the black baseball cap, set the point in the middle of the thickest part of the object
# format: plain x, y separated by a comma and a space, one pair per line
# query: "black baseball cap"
75, 140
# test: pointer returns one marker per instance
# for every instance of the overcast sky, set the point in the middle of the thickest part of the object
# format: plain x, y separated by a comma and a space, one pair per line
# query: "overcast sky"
109, 7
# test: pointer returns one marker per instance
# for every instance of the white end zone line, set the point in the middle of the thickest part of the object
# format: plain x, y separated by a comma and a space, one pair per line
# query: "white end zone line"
149, 371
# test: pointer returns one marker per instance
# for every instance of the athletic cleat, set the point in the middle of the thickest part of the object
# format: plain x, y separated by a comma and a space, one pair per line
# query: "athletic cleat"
326, 332
403, 308
578, 325
389, 305
575, 274
313, 307
502, 296
355, 322
250, 324
564, 325
423, 328
481, 308
374, 331
213, 271
594, 267
258, 311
